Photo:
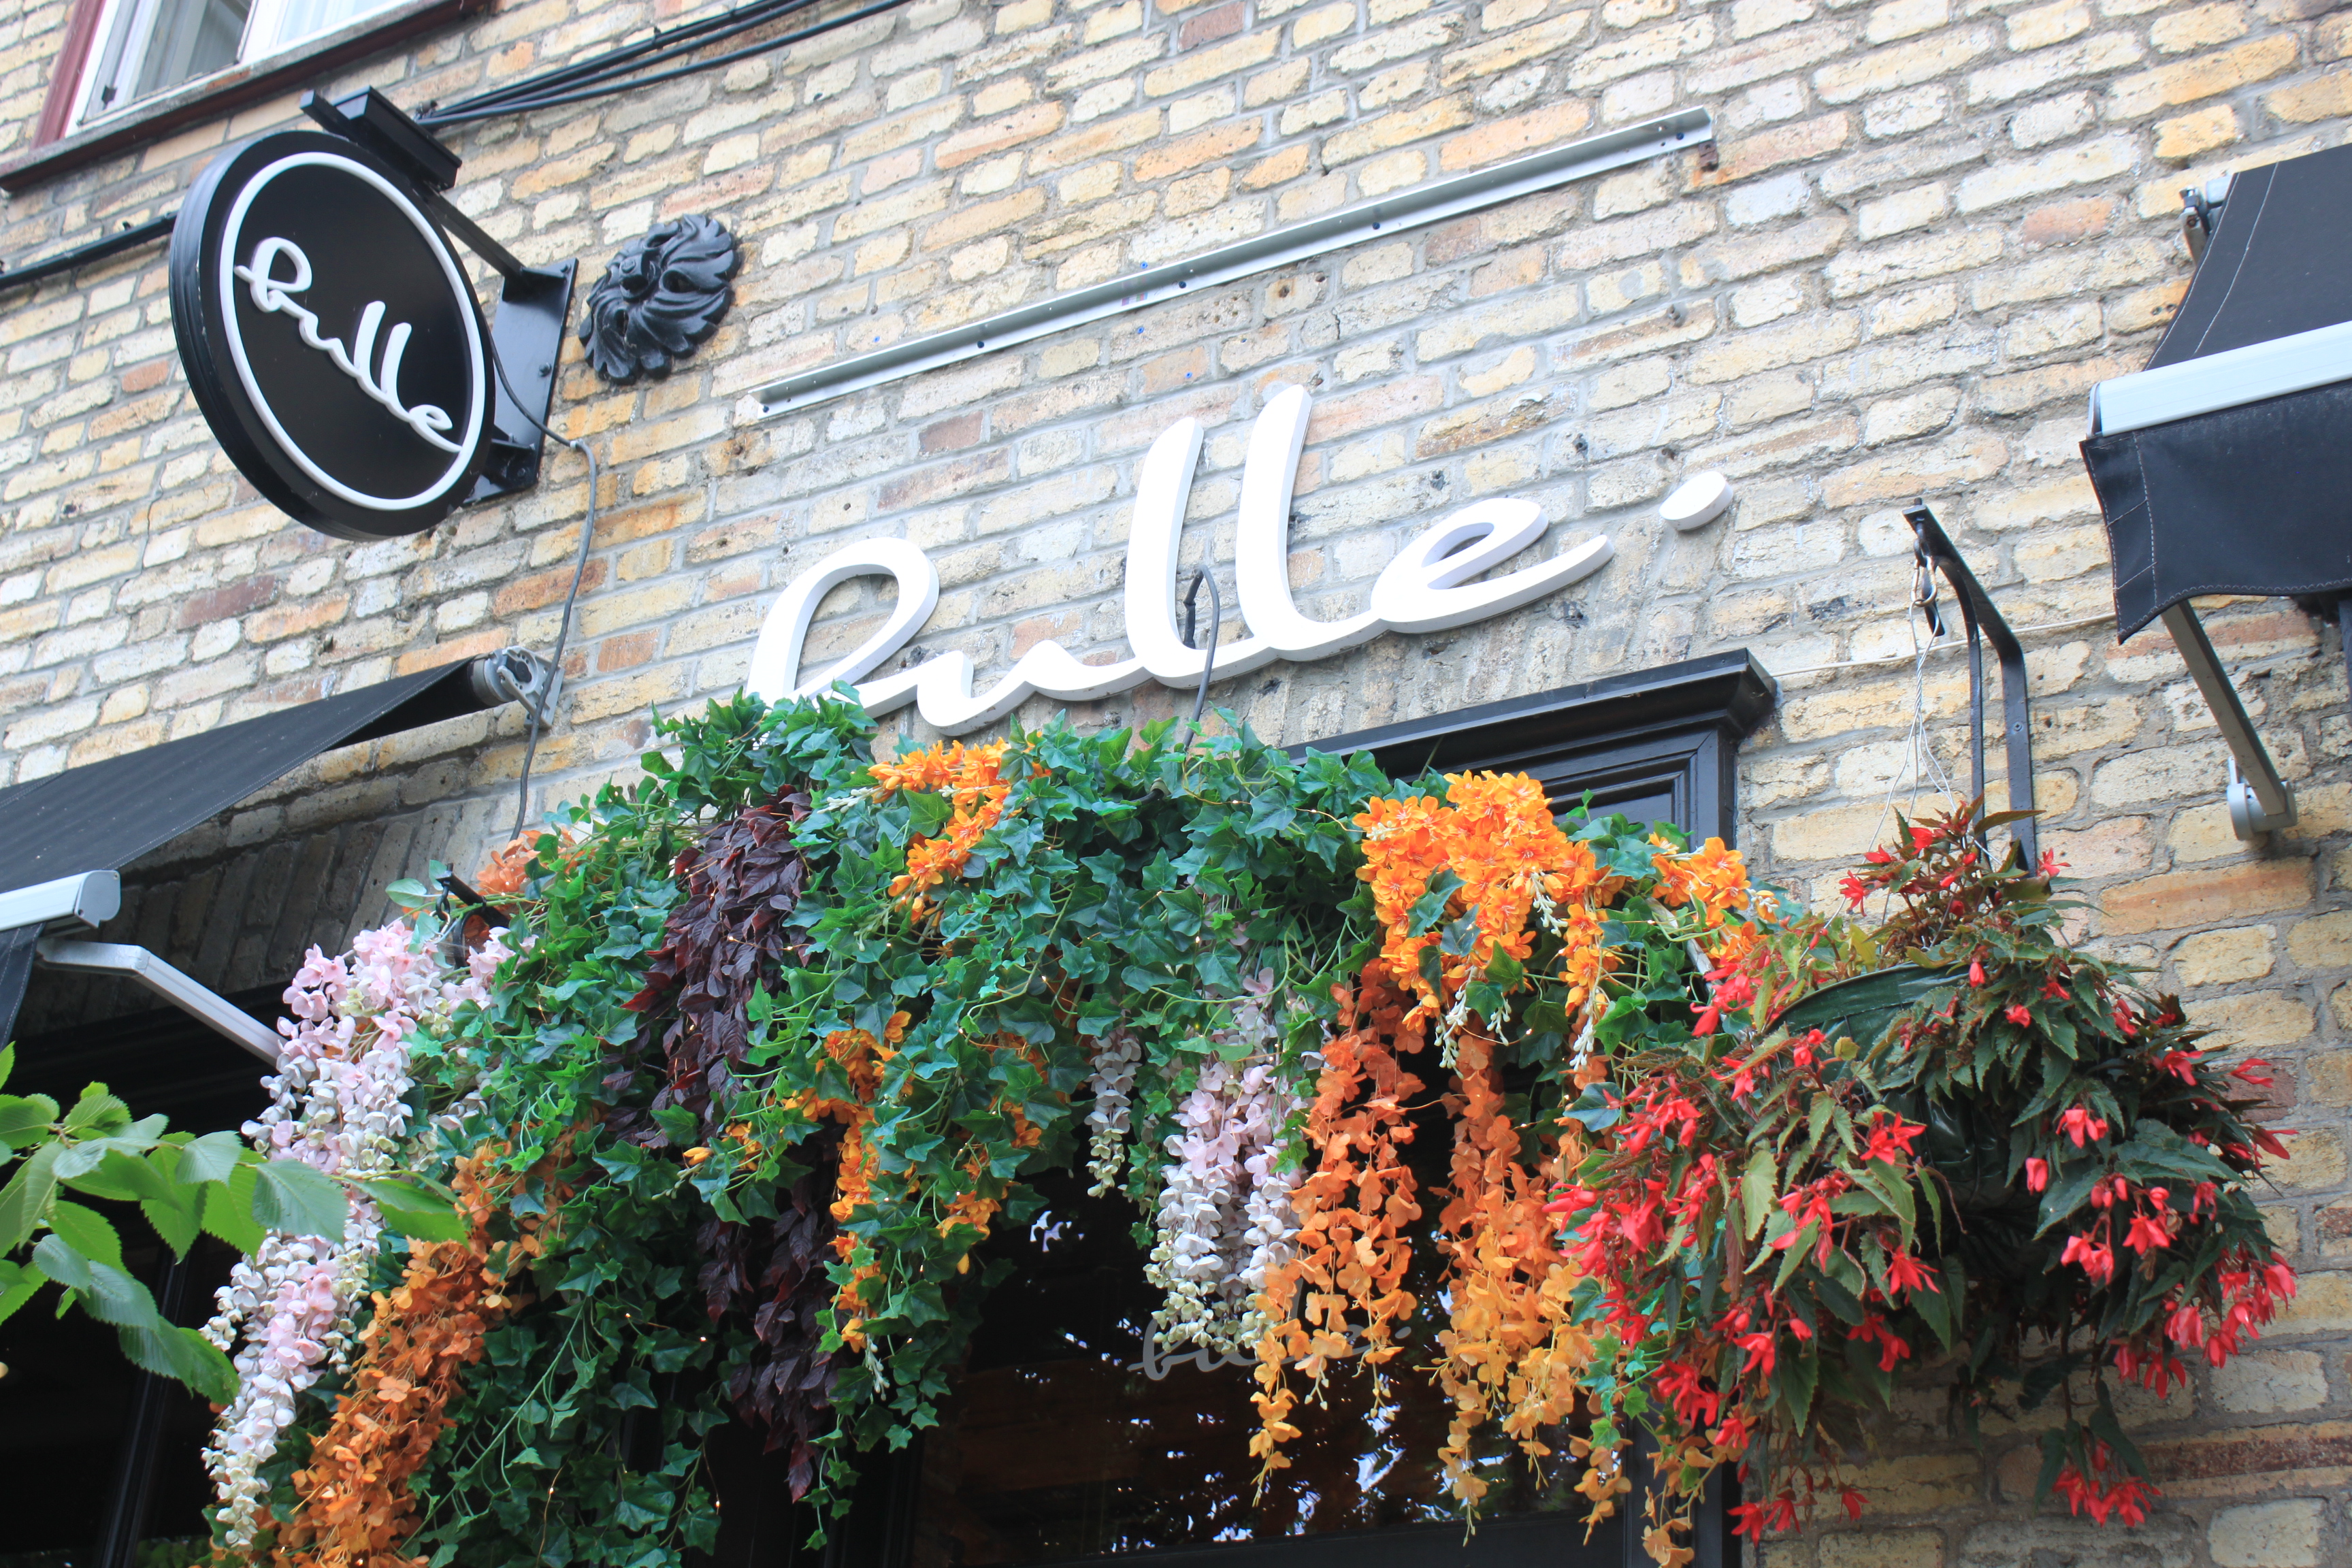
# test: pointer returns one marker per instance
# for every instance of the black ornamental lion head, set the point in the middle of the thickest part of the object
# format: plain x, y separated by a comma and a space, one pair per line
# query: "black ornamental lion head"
662, 295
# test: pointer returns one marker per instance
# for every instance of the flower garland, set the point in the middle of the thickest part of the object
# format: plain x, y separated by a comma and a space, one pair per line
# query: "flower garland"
353, 1507
338, 1103
882, 995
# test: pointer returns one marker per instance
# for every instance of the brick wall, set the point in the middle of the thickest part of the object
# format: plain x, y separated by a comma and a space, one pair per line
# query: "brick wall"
1932, 227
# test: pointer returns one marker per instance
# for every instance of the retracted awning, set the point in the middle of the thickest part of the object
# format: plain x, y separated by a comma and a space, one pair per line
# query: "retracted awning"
105, 815
2225, 465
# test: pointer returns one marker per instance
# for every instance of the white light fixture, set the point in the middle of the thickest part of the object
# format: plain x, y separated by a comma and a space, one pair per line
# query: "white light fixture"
1698, 501
82, 902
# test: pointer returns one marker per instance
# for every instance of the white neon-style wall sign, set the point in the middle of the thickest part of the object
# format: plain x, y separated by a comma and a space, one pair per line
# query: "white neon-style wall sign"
1426, 588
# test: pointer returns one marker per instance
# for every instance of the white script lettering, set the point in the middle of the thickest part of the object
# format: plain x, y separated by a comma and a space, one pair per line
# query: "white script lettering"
1158, 1364
381, 383
1426, 588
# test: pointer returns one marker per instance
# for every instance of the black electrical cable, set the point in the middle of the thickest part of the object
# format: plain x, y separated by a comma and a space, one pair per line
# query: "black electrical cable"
662, 44
471, 110
687, 35
579, 569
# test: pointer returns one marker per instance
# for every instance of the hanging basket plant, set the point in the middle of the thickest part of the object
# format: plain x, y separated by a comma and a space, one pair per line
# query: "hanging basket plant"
784, 1034
1948, 1136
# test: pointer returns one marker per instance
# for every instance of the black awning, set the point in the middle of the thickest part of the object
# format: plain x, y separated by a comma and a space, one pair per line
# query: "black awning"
2225, 467
102, 816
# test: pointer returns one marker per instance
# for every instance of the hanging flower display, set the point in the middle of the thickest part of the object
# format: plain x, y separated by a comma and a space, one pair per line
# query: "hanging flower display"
787, 1033
339, 1102
1955, 1133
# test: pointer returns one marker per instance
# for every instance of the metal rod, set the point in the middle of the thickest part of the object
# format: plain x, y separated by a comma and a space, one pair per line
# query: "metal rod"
131, 239
2270, 792
1983, 619
214, 1012
1432, 203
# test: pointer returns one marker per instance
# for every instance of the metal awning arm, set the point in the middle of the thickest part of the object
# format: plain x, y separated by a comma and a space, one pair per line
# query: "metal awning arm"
1983, 619
2259, 801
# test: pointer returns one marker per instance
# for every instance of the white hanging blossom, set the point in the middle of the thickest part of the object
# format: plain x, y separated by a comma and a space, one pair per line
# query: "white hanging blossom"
1113, 1082
338, 1103
1225, 1218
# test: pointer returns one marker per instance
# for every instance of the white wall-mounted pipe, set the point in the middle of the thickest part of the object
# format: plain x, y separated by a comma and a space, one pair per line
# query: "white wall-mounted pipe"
207, 1008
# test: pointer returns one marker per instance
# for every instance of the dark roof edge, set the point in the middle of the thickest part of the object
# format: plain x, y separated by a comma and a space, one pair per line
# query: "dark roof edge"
1729, 689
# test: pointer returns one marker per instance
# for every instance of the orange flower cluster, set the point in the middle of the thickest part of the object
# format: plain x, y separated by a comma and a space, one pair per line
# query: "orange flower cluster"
971, 778
353, 1508
1711, 877
1510, 1350
1495, 833
1343, 1294
861, 1058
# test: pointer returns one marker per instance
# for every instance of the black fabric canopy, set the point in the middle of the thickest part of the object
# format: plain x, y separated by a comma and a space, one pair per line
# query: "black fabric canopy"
2254, 497
103, 816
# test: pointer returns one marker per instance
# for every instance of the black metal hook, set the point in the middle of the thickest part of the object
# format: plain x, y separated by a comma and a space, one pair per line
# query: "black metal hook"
1216, 621
1982, 618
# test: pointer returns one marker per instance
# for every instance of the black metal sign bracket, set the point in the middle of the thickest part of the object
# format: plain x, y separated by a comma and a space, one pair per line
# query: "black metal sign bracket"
534, 302
1983, 619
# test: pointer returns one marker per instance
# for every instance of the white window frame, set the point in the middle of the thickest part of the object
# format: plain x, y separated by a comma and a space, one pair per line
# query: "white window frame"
263, 25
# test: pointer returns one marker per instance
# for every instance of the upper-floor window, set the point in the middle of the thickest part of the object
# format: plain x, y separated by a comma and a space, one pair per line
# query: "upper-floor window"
147, 46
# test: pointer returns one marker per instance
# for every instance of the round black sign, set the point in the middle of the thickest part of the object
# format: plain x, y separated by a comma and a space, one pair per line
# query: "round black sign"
330, 336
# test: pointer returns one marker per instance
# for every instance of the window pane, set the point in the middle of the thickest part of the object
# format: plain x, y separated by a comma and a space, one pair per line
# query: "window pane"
152, 45
1058, 1444
302, 19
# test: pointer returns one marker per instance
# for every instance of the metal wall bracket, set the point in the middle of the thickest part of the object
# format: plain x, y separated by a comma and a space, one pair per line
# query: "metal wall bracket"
527, 337
2259, 801
534, 302
214, 1012
1983, 619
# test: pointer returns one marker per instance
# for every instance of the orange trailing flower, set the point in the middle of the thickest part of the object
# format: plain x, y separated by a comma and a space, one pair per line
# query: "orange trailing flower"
1342, 1294
1512, 1354
1711, 877
1494, 834
972, 779
353, 1508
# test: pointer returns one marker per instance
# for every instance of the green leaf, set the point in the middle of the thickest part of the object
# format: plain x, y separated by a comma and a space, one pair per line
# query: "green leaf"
8, 1062
97, 1111
210, 1158
2069, 1190
1938, 1305
28, 1195
106, 1292
182, 1354
86, 1231
18, 1285
1867, 1006
1756, 1189
1793, 1379
927, 813
292, 1197
417, 1212
228, 1209
24, 1117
